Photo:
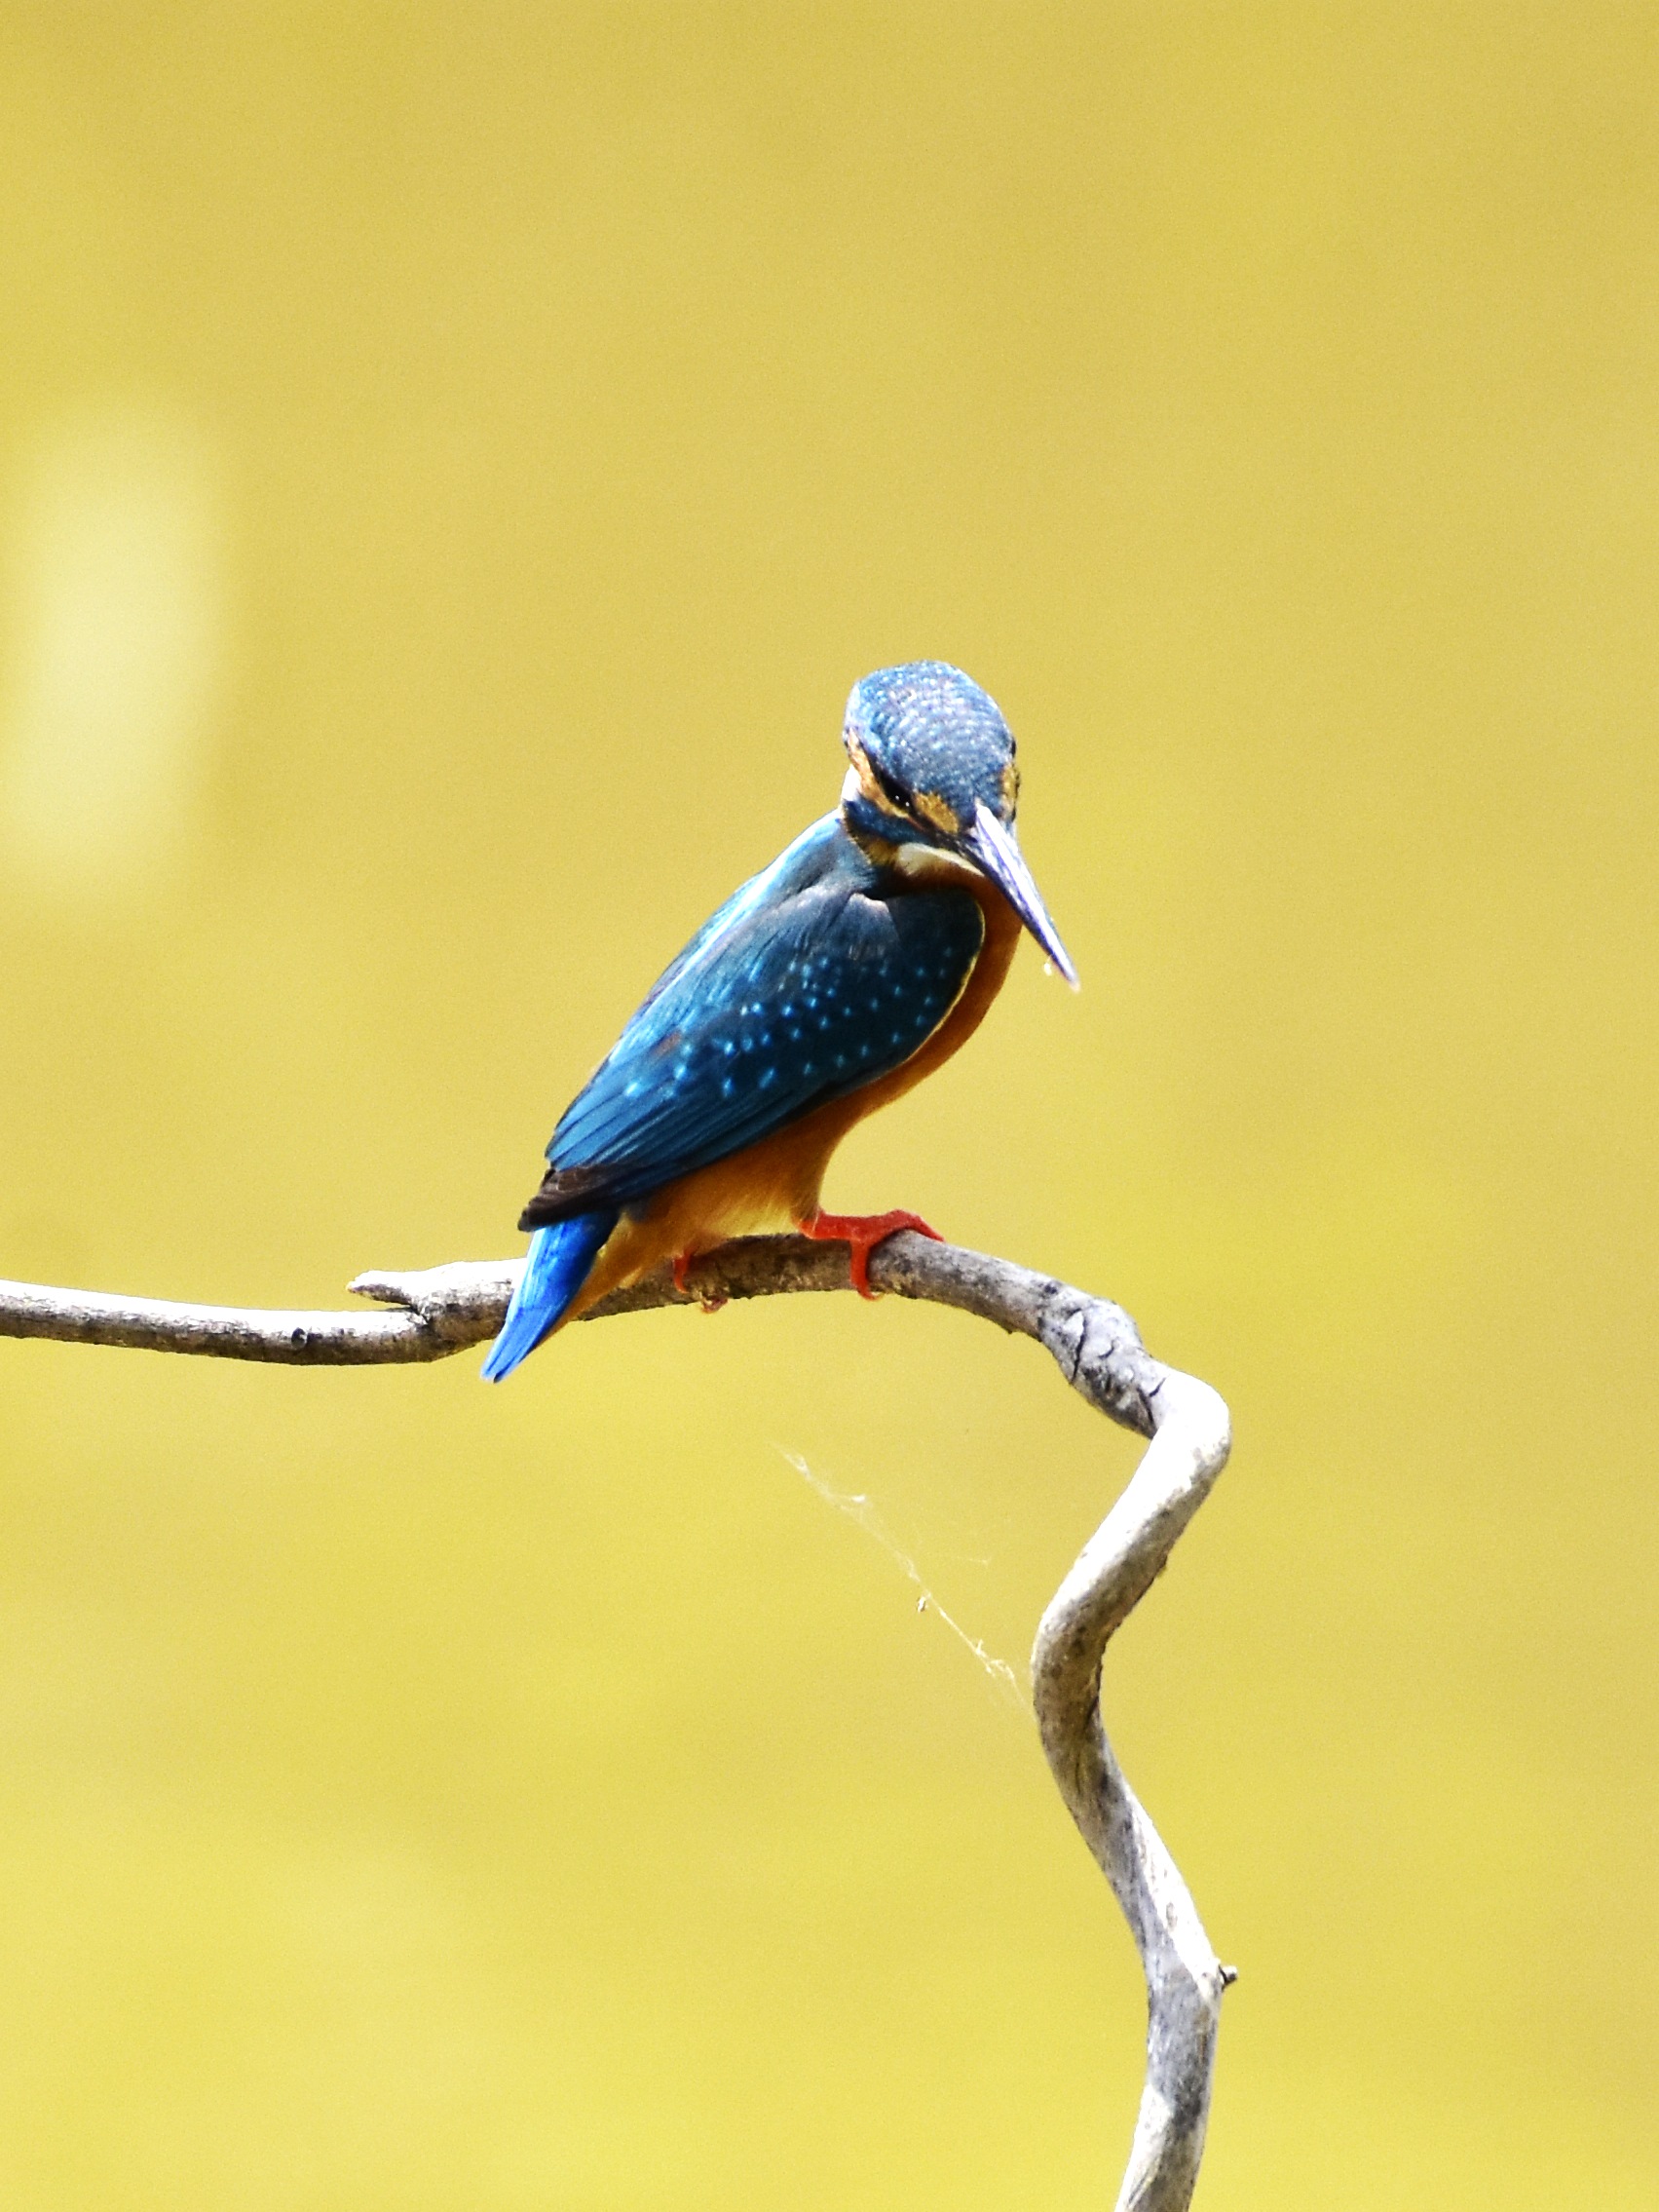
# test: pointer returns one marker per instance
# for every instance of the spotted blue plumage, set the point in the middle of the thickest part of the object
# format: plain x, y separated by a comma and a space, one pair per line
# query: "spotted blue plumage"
808, 983
926, 725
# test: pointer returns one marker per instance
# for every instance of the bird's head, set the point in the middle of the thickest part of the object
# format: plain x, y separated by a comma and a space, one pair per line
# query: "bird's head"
934, 766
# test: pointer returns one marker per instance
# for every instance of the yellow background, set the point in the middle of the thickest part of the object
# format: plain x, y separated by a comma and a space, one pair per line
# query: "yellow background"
453, 463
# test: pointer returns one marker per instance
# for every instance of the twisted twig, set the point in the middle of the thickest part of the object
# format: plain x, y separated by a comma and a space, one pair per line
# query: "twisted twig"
431, 1315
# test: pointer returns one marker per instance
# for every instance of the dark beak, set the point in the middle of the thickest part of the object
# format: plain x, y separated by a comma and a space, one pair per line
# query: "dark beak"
993, 851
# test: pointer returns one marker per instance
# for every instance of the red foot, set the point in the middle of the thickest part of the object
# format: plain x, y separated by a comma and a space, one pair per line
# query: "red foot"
863, 1232
682, 1267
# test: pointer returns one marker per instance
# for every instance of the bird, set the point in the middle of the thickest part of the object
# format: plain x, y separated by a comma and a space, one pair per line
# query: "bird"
827, 986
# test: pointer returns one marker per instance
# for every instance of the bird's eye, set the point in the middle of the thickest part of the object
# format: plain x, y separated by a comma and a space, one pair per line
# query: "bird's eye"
893, 791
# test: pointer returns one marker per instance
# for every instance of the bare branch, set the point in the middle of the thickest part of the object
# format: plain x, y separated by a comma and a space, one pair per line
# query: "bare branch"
1185, 1979
432, 1313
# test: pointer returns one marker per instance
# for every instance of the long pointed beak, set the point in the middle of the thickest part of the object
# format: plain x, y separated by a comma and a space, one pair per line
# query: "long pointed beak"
992, 849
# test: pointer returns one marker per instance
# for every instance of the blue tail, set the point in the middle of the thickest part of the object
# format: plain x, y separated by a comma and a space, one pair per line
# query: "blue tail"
554, 1270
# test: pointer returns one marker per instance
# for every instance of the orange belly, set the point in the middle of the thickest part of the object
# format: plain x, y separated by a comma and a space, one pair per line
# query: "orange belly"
774, 1184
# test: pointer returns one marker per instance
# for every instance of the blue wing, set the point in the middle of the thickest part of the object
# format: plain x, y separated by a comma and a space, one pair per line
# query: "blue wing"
807, 984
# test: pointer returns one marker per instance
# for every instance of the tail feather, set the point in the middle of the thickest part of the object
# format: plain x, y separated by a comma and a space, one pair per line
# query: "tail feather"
556, 1268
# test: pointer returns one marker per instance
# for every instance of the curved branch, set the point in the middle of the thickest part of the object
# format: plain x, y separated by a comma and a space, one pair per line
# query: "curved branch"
440, 1311
1185, 1979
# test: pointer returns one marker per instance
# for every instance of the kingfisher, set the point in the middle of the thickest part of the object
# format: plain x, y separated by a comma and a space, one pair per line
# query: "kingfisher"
828, 986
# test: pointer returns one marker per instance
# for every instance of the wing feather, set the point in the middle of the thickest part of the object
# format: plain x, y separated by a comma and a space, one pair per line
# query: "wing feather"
807, 984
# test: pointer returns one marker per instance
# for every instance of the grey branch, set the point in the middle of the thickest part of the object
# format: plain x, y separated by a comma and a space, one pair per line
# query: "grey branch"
432, 1313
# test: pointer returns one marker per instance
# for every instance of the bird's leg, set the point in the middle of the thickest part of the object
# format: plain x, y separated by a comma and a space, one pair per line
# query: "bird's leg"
682, 1282
863, 1232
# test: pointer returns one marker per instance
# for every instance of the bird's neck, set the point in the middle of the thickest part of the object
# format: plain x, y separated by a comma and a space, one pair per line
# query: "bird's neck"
891, 843
907, 857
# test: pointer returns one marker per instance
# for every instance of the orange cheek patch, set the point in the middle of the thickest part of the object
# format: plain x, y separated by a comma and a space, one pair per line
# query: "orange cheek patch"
931, 808
866, 775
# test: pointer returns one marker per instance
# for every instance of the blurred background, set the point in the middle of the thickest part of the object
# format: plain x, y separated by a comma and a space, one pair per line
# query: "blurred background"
453, 463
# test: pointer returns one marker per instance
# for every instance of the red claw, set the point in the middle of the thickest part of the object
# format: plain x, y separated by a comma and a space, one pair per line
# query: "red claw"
862, 1233
682, 1283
